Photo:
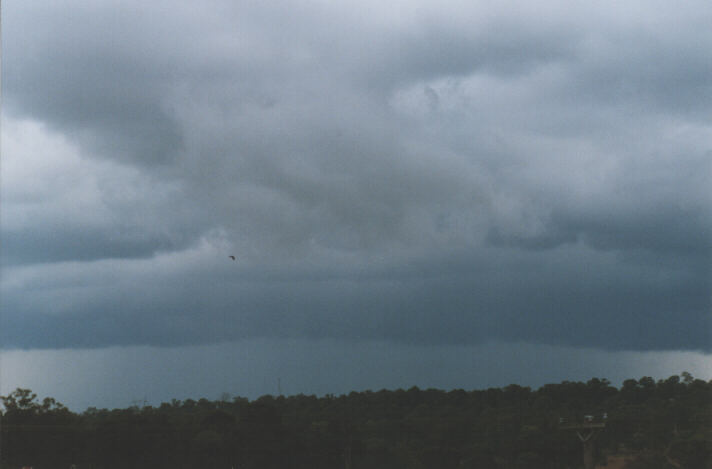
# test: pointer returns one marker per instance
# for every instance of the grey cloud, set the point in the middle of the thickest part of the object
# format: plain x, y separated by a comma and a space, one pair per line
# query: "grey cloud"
21, 247
426, 183
661, 209
662, 232
569, 300
499, 49
121, 118
647, 71
83, 72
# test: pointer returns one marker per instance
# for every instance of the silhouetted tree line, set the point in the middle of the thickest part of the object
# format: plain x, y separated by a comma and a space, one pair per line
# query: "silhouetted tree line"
667, 424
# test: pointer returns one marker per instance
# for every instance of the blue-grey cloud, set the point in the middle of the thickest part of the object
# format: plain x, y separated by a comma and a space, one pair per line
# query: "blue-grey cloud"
426, 175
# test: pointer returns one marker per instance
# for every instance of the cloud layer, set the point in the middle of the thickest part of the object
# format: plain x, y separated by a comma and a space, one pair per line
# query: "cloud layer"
408, 172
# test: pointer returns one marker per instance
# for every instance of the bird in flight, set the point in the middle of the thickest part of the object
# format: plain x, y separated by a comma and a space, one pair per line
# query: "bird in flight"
232, 257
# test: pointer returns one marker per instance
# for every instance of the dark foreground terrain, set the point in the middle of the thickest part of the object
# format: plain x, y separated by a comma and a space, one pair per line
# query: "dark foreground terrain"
644, 424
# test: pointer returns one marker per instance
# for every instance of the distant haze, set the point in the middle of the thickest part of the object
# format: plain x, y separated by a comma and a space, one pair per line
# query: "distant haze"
124, 376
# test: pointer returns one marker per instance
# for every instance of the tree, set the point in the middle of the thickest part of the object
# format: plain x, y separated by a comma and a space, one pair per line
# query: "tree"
20, 400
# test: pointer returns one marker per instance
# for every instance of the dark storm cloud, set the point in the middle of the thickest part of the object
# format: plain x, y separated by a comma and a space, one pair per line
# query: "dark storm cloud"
422, 175
512, 297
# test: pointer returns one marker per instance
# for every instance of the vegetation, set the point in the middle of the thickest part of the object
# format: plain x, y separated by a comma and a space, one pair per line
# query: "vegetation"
666, 424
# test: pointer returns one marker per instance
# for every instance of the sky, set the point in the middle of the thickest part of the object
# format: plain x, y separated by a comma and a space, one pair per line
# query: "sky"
446, 194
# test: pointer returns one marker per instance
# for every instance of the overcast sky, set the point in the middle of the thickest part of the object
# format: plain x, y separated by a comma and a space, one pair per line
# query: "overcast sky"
435, 181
